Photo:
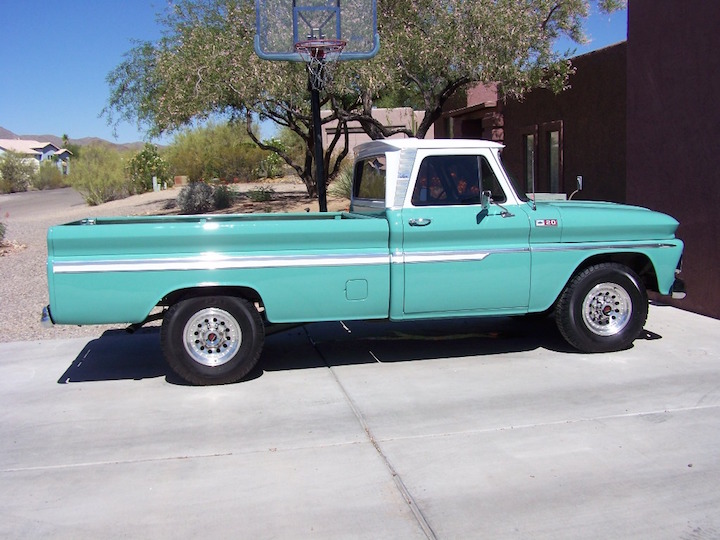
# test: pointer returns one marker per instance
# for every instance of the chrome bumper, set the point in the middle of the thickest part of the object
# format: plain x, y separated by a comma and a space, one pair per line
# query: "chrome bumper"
46, 318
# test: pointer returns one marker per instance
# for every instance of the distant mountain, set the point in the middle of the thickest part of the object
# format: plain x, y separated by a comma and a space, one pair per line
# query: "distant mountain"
6, 134
57, 141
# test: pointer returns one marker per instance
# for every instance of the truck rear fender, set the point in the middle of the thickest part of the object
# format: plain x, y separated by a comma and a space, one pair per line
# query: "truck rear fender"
193, 292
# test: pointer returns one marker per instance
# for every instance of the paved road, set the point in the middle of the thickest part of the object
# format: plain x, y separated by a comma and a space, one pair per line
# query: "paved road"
467, 429
36, 203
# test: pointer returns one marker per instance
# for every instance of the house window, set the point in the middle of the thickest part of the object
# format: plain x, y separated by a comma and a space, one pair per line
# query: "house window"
554, 160
529, 161
550, 176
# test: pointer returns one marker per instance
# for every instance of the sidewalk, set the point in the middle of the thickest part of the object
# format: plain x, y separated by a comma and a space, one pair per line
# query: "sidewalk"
465, 429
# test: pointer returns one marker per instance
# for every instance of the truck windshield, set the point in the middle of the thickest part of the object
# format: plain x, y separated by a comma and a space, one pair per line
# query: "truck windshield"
516, 184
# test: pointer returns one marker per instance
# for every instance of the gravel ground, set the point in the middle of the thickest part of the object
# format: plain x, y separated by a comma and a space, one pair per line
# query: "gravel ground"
23, 279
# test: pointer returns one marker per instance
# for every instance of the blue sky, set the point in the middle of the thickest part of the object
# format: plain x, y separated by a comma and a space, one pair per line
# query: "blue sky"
56, 57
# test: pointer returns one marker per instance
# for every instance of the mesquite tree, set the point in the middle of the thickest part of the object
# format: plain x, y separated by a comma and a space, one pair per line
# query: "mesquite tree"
205, 65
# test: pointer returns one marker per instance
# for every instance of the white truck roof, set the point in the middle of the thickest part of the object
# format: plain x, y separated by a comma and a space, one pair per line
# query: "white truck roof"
389, 145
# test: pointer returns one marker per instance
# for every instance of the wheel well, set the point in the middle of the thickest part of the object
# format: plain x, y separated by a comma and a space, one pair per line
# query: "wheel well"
194, 292
637, 262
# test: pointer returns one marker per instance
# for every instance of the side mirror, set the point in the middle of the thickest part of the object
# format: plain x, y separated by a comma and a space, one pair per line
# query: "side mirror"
486, 199
579, 180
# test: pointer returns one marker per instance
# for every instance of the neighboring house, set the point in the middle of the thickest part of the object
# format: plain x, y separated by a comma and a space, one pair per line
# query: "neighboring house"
38, 151
397, 118
639, 124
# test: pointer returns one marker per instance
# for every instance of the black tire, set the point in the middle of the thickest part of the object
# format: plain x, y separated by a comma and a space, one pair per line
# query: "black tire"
602, 309
212, 339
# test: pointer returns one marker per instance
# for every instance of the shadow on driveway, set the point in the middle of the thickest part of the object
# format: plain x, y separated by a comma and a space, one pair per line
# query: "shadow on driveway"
117, 355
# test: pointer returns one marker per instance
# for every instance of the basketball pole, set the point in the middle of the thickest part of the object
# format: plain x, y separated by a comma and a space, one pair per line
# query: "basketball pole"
319, 154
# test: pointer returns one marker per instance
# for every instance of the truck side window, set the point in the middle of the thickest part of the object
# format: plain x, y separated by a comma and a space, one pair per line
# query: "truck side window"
370, 178
454, 180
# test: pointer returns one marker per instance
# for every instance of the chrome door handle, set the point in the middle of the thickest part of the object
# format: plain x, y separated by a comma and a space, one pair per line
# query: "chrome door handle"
419, 222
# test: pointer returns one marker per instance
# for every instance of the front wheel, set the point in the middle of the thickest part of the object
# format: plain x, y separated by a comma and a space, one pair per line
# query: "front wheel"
602, 309
212, 339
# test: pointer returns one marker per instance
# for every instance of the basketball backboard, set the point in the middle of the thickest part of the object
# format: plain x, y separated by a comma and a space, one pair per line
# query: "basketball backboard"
280, 24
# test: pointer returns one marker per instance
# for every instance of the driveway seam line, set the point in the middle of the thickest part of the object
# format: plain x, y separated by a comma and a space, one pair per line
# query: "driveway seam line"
402, 488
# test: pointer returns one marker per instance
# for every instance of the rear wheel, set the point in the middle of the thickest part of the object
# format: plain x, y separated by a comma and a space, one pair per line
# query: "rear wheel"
212, 339
602, 309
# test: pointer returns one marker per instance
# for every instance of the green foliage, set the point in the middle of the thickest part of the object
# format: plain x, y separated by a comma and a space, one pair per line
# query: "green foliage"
195, 198
222, 197
292, 144
2, 231
16, 172
223, 152
405, 96
261, 194
75, 149
99, 175
272, 165
48, 176
145, 165
342, 186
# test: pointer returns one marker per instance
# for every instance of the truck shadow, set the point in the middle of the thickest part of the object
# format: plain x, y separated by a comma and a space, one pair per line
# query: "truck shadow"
117, 355
366, 342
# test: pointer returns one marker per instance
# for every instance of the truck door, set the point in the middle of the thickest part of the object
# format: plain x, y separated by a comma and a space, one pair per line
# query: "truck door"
457, 256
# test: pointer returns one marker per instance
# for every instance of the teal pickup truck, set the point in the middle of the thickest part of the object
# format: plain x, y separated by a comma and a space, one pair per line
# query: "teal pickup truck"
436, 229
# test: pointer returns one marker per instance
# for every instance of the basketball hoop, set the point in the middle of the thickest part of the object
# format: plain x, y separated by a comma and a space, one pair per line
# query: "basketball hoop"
321, 56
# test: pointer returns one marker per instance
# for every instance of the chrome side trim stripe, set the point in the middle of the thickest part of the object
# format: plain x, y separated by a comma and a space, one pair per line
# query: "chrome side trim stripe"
593, 247
449, 256
440, 256
216, 262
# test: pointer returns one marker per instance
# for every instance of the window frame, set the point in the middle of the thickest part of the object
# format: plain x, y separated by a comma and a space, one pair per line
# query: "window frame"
547, 129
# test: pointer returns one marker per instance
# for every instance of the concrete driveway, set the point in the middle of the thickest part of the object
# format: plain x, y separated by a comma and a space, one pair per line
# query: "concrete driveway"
465, 429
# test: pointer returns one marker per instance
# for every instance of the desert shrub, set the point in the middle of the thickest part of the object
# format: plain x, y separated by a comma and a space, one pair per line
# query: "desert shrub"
16, 172
216, 151
145, 165
99, 175
342, 185
222, 197
2, 231
196, 198
272, 165
261, 194
48, 177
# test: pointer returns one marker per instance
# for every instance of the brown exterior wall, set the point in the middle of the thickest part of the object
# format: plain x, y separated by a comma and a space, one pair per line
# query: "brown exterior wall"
592, 115
673, 127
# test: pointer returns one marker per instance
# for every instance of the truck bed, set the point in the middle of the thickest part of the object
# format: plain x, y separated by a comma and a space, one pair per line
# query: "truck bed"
115, 270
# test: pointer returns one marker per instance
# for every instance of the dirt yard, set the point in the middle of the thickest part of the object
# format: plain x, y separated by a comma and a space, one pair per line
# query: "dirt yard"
288, 195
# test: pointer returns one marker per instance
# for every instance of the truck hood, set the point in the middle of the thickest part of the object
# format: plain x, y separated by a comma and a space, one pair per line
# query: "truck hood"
586, 221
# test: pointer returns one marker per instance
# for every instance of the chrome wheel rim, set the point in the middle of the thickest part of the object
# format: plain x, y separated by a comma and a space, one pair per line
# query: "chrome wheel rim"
212, 337
607, 309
